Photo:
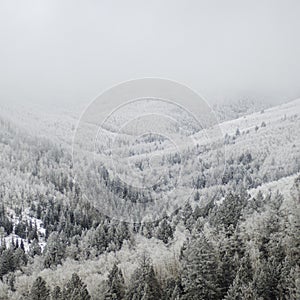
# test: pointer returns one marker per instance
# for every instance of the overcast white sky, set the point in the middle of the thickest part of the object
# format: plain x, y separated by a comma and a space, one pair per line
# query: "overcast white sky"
61, 51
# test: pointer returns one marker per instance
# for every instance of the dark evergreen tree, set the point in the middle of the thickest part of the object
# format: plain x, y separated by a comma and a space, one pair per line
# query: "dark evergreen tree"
229, 211
57, 293
19, 258
230, 252
75, 289
10, 280
7, 263
22, 245
187, 215
34, 249
242, 286
165, 231
54, 251
293, 284
197, 196
147, 229
116, 284
173, 289
144, 284
39, 290
241, 291
200, 270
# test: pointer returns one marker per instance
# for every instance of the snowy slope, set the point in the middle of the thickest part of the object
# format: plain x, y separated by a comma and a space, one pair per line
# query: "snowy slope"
282, 185
25, 217
269, 116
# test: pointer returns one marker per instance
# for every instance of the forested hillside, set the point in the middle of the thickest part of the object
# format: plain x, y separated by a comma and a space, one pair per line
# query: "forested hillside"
237, 237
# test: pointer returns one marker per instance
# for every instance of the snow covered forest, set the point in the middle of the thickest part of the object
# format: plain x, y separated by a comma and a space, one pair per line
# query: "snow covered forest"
237, 237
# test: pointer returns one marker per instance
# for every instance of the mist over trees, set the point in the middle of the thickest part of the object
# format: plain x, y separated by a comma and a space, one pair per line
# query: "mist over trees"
237, 237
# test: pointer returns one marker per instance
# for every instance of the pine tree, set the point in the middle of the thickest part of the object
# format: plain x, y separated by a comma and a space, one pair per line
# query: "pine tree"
152, 290
230, 210
147, 230
293, 284
10, 280
242, 287
54, 250
173, 289
165, 231
200, 265
122, 233
22, 245
256, 203
34, 248
188, 218
116, 284
292, 230
20, 258
39, 290
75, 289
267, 279
57, 293
144, 284
241, 291
229, 248
197, 196
7, 263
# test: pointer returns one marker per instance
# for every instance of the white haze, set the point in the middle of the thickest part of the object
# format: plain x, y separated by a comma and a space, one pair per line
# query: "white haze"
64, 53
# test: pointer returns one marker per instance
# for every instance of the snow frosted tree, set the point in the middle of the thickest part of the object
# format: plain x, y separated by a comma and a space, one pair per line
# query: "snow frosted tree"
144, 284
293, 284
122, 233
76, 289
173, 289
238, 291
200, 270
10, 280
116, 285
230, 210
39, 290
20, 258
292, 231
242, 286
6, 262
56, 293
165, 231
54, 251
187, 214
229, 248
34, 248
197, 196
256, 203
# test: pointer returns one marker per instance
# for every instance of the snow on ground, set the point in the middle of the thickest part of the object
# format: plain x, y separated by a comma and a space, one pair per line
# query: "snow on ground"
282, 185
270, 115
25, 218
